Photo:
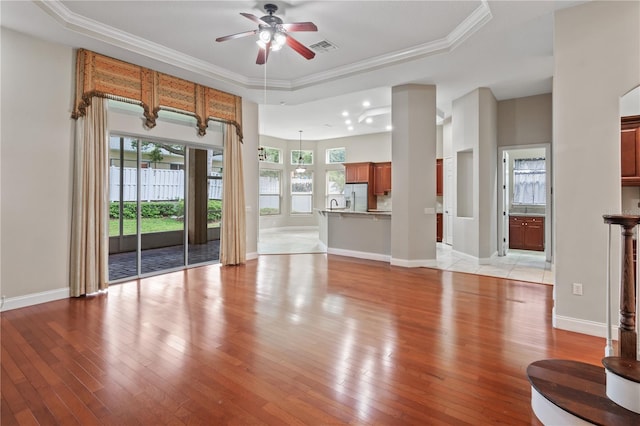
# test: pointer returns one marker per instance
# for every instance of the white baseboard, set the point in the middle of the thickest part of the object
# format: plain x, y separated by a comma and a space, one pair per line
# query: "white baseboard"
291, 228
252, 255
419, 263
487, 260
359, 254
464, 255
477, 260
592, 328
34, 299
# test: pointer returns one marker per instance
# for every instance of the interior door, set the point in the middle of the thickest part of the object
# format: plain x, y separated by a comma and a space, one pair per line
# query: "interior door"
504, 244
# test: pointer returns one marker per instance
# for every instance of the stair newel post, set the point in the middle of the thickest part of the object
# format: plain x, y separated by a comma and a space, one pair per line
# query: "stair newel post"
628, 336
627, 328
608, 349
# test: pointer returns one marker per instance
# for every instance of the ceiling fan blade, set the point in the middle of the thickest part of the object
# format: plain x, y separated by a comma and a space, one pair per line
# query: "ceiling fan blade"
238, 35
299, 47
254, 18
263, 55
300, 26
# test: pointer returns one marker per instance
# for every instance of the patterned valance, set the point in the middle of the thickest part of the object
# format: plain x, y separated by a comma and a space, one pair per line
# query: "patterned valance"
104, 77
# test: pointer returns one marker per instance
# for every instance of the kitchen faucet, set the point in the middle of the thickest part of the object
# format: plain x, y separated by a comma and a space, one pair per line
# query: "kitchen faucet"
331, 203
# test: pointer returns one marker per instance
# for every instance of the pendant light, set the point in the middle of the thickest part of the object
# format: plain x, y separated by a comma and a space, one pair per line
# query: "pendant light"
300, 168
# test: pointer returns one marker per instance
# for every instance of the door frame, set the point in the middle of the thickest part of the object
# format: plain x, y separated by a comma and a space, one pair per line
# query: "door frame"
503, 208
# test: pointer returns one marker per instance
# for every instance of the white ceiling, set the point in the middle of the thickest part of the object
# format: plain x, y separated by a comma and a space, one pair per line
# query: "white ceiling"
456, 45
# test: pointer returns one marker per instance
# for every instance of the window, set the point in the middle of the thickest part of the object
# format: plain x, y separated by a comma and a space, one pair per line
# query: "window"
529, 181
272, 155
335, 155
335, 188
301, 192
269, 191
307, 157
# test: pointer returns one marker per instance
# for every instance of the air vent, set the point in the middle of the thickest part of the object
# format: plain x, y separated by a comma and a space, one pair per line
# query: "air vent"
323, 46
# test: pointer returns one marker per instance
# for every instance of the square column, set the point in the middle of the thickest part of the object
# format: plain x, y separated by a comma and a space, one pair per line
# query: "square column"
413, 153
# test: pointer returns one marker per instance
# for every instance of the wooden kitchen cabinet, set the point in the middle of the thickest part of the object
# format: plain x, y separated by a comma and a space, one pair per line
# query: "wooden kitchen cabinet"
630, 150
358, 172
382, 178
526, 233
439, 227
439, 176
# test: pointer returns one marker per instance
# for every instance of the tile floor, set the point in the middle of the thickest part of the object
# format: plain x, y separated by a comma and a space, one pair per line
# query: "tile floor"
124, 265
517, 265
290, 241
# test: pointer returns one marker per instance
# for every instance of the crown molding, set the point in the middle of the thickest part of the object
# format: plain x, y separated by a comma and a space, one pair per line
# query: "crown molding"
472, 23
108, 34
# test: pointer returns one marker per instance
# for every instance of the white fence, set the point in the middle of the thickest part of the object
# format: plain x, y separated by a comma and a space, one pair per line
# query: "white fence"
155, 185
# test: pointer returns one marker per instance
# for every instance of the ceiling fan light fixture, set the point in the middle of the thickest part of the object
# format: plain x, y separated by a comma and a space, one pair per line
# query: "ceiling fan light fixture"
279, 40
265, 35
273, 34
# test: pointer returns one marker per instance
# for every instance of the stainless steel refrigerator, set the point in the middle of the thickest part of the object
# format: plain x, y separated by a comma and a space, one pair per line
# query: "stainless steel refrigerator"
355, 197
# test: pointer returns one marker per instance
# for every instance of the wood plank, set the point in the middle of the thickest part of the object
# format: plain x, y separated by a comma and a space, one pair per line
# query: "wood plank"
580, 389
623, 367
299, 339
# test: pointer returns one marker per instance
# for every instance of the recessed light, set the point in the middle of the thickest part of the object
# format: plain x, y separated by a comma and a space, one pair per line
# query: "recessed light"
369, 120
345, 113
350, 128
366, 104
347, 122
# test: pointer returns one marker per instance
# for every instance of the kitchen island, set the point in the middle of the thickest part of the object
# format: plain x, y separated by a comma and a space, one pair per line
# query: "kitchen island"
366, 235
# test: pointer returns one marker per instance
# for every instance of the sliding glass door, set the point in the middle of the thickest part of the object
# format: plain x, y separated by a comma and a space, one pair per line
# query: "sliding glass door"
165, 201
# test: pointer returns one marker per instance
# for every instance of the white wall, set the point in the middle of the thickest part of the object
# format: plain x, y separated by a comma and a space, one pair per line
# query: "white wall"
250, 169
597, 60
474, 133
488, 175
447, 138
37, 153
525, 121
630, 103
413, 227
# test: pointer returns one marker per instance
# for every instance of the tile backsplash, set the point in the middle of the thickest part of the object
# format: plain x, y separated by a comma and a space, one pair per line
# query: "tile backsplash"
515, 208
384, 202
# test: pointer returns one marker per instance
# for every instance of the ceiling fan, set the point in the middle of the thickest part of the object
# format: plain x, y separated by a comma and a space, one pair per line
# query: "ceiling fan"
273, 34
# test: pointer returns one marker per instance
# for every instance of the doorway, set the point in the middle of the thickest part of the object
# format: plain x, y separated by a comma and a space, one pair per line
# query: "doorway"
525, 202
165, 206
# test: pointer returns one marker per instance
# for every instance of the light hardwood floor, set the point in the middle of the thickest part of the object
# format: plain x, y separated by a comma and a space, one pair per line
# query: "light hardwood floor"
310, 339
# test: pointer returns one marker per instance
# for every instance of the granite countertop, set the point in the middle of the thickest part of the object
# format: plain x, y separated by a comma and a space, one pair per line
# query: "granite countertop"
370, 212
527, 214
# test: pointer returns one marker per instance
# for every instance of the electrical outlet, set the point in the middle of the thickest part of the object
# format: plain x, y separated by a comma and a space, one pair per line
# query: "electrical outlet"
577, 289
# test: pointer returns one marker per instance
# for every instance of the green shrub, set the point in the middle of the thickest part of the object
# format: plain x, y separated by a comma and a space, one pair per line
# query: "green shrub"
159, 209
214, 211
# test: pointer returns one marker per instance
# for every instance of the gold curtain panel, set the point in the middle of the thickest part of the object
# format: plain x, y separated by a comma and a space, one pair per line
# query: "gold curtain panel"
105, 77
